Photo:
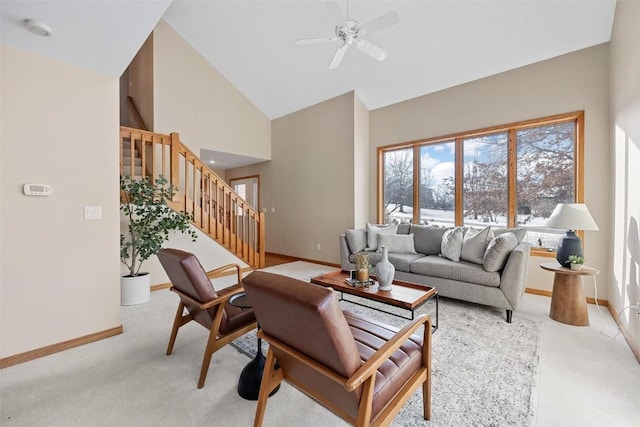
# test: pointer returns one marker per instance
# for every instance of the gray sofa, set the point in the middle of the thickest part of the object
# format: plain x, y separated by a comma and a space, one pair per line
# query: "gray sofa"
481, 280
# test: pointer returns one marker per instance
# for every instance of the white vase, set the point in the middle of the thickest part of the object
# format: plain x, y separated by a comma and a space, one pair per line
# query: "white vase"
385, 271
135, 289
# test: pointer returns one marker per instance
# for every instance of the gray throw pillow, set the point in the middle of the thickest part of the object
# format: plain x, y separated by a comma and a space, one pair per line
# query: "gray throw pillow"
498, 251
374, 230
475, 244
356, 240
396, 243
451, 246
520, 233
427, 240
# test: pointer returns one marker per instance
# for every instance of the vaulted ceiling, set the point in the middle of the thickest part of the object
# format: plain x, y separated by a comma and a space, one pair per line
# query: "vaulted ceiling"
437, 43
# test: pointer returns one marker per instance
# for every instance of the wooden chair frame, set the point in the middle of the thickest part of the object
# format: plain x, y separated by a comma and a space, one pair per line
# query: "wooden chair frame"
364, 376
215, 340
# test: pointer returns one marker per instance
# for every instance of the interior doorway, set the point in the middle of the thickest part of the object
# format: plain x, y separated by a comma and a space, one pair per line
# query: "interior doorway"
248, 188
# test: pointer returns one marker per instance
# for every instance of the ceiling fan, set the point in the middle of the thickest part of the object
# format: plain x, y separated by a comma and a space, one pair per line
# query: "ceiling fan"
350, 32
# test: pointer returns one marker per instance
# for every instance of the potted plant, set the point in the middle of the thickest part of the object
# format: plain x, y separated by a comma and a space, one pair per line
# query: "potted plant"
144, 202
576, 261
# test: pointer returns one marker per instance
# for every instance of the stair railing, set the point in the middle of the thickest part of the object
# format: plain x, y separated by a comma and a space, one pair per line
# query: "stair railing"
216, 209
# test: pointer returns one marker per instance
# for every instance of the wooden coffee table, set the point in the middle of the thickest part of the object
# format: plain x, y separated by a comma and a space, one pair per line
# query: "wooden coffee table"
405, 295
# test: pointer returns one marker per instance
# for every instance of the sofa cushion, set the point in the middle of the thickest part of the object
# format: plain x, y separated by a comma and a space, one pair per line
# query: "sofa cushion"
396, 243
374, 257
462, 271
520, 233
451, 246
402, 262
356, 240
374, 230
498, 251
427, 239
475, 244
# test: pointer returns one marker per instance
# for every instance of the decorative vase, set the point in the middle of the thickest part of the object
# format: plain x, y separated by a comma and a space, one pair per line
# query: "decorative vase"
576, 267
135, 289
385, 271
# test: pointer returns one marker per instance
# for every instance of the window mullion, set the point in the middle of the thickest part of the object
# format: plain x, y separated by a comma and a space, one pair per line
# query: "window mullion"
459, 181
416, 184
512, 180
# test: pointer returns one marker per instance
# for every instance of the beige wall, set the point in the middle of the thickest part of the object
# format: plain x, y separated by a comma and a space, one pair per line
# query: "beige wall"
140, 84
60, 277
361, 166
194, 99
624, 289
309, 181
572, 82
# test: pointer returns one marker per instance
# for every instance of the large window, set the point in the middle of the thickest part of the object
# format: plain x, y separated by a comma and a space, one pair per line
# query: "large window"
506, 176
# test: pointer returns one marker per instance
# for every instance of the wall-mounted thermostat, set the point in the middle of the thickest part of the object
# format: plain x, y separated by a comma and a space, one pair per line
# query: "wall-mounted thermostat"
37, 189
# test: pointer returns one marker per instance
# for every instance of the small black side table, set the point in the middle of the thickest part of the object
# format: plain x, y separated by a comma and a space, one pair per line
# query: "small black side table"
251, 375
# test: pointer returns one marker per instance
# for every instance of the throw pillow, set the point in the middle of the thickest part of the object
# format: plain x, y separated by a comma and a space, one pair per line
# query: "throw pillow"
356, 240
451, 246
475, 244
374, 230
520, 233
397, 243
498, 251
427, 240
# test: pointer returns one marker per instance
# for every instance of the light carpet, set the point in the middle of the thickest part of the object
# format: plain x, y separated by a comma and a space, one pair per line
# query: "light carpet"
484, 369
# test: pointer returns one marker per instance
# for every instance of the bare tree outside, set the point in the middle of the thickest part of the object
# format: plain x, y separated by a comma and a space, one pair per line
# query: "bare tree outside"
398, 182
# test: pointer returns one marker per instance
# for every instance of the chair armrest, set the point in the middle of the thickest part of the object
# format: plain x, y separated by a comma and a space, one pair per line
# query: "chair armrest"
222, 299
218, 271
384, 352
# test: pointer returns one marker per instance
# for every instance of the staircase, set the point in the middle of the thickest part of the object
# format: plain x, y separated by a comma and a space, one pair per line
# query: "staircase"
216, 209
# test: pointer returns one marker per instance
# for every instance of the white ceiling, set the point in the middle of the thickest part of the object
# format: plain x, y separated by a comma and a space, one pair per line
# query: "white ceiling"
437, 44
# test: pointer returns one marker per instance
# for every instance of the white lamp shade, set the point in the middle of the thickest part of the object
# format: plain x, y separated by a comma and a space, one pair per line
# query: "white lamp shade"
572, 216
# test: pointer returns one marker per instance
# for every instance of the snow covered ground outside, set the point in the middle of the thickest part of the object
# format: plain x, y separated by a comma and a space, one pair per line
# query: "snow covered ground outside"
537, 234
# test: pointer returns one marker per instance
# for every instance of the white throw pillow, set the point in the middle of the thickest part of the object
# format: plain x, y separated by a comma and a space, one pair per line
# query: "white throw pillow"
397, 243
374, 230
499, 250
451, 245
475, 244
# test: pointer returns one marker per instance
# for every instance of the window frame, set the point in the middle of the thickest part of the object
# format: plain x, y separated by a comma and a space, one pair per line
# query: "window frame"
577, 117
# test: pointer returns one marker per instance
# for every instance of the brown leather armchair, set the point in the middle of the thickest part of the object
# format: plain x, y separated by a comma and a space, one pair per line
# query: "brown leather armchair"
207, 307
361, 369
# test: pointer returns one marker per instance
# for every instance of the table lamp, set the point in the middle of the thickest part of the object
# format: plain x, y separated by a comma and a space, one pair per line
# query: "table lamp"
571, 216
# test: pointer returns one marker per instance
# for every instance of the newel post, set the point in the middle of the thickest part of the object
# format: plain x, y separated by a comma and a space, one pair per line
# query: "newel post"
261, 239
174, 170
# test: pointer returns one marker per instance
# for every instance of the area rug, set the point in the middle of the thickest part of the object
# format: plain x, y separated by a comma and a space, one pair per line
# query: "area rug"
484, 369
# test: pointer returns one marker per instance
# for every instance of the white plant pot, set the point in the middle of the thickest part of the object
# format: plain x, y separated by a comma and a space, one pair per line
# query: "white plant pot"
576, 267
135, 290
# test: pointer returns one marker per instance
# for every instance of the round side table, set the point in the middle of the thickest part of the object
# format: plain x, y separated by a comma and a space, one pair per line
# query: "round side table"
568, 303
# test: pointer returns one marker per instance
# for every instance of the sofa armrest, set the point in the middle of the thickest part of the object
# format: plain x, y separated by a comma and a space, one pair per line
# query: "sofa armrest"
514, 275
345, 264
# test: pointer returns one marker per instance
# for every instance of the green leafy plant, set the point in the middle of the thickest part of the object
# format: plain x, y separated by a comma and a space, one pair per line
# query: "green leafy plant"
144, 202
576, 259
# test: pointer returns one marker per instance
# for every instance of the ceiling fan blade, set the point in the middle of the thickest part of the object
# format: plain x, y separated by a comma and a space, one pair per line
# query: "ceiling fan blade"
334, 11
371, 49
337, 57
316, 40
381, 22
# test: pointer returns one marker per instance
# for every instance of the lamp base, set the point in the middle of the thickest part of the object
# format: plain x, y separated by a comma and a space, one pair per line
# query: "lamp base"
570, 244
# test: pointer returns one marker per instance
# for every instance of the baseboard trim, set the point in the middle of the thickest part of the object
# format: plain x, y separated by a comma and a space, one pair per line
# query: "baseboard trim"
545, 293
297, 258
167, 285
55, 348
635, 348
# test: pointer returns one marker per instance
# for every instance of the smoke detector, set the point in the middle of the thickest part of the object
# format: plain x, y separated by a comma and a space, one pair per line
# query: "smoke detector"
38, 28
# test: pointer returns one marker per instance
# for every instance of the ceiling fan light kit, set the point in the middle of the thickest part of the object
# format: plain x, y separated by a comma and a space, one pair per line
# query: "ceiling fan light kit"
351, 32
